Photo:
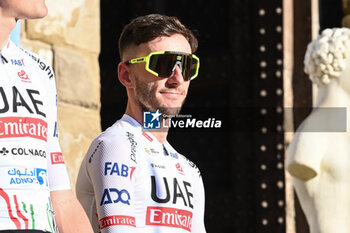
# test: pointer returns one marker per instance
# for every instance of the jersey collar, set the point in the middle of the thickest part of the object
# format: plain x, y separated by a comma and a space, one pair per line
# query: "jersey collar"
145, 133
131, 121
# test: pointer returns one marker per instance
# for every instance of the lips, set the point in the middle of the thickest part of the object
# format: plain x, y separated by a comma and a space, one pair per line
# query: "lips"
172, 91
172, 94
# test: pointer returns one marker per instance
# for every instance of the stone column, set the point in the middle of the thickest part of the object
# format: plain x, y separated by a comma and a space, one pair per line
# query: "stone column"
69, 39
288, 104
306, 24
346, 11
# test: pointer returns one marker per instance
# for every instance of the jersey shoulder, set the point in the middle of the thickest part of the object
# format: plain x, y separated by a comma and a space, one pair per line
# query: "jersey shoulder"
182, 158
32, 59
115, 143
186, 162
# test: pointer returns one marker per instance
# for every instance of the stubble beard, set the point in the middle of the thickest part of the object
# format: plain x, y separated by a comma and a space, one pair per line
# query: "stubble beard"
149, 102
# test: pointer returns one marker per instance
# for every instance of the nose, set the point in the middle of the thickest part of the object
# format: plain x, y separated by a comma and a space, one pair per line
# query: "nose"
176, 77
177, 64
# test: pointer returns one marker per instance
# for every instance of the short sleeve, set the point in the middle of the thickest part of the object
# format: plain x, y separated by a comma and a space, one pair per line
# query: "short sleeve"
111, 172
57, 171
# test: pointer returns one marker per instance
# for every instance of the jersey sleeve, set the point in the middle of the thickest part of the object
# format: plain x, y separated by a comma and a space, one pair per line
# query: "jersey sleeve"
57, 171
111, 172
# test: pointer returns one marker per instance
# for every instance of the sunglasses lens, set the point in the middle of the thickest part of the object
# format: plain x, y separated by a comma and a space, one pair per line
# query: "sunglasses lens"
190, 67
163, 64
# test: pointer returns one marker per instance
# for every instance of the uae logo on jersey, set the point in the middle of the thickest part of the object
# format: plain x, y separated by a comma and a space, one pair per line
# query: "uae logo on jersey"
151, 120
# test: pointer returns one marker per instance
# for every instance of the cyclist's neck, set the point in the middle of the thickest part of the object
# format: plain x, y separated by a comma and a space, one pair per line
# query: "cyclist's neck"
160, 134
7, 24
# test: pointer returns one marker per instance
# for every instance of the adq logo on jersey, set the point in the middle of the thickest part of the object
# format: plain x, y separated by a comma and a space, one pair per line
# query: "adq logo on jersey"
113, 195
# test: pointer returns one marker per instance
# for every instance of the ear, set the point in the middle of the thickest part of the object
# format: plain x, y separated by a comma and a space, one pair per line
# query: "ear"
124, 75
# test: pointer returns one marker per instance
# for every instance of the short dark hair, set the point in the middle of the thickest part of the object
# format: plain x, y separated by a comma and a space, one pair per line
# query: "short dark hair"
146, 28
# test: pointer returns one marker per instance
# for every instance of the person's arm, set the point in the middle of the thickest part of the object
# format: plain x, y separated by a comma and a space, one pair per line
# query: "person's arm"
112, 175
69, 214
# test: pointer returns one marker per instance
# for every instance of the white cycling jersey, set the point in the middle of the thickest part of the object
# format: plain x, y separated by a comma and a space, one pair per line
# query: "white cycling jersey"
31, 162
130, 182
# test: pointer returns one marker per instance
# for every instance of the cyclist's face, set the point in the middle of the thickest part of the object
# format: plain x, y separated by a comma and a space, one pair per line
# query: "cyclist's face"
165, 94
23, 9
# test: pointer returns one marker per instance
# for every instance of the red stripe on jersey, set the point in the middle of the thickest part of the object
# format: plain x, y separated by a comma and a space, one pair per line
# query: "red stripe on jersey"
4, 195
147, 136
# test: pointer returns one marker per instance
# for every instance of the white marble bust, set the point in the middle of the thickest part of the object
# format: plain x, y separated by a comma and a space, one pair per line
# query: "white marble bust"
319, 160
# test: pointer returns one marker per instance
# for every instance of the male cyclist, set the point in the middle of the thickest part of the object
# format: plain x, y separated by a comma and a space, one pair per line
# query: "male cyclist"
35, 193
131, 179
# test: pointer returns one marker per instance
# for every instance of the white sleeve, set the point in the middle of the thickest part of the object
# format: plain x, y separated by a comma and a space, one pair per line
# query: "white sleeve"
111, 172
57, 171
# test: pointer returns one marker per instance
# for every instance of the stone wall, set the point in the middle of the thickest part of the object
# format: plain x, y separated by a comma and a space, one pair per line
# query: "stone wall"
69, 39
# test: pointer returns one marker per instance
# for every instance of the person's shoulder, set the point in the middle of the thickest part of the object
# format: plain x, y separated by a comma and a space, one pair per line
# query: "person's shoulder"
116, 141
183, 160
35, 61
191, 165
116, 134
